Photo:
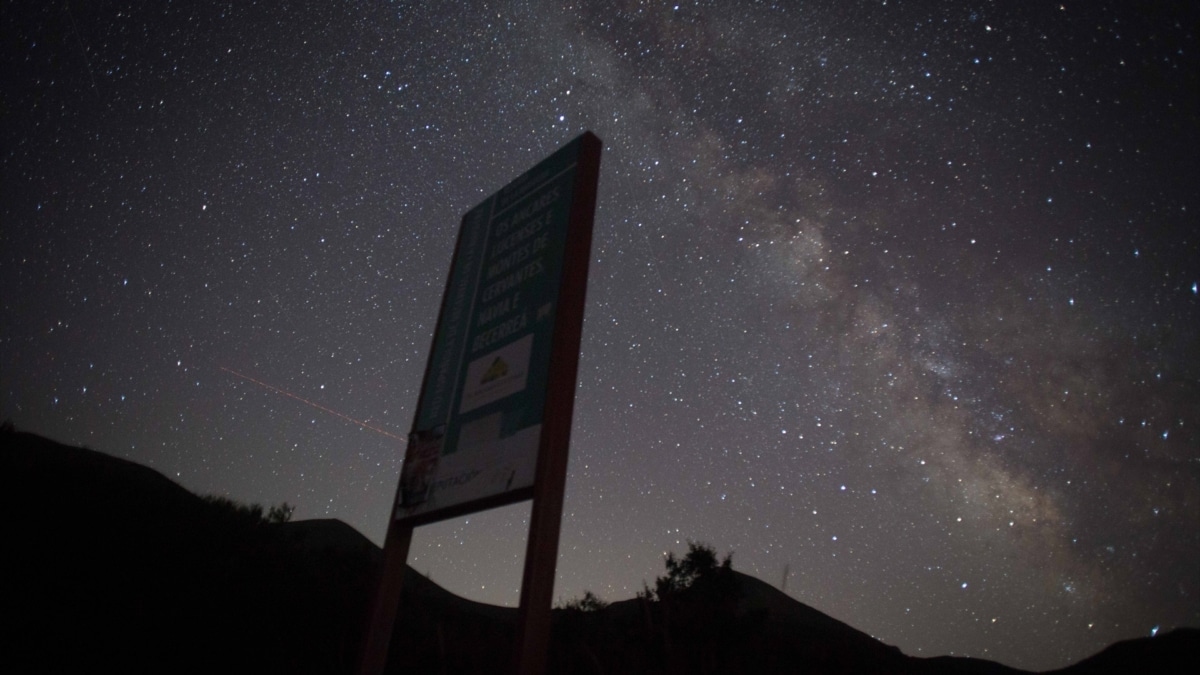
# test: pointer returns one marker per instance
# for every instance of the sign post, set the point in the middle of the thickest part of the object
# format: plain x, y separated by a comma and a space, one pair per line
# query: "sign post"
493, 423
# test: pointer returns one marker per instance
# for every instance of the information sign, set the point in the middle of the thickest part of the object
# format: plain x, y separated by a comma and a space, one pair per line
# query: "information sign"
479, 423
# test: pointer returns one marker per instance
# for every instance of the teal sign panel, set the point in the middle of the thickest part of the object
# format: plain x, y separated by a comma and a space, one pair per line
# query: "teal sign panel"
478, 425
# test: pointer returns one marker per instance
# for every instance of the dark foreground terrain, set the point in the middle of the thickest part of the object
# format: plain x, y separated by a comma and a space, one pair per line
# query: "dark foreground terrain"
108, 566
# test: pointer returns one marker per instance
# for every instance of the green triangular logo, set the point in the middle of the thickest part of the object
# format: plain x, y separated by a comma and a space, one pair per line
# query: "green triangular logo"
497, 370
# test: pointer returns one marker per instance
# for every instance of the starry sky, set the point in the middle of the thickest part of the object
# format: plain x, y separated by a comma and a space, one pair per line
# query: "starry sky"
900, 297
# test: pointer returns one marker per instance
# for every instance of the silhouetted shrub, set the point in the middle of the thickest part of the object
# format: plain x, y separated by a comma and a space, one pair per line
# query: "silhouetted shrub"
251, 514
588, 603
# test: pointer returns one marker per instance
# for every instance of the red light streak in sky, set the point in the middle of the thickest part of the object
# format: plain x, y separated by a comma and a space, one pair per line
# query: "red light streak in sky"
318, 406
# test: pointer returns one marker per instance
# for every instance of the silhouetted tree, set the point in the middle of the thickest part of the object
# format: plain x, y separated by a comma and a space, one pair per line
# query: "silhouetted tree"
691, 610
698, 568
281, 513
590, 602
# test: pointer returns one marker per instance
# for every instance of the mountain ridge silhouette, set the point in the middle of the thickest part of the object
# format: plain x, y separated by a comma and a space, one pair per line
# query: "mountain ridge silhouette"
112, 564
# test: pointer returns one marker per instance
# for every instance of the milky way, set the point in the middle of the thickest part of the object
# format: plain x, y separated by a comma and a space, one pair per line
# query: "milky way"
899, 296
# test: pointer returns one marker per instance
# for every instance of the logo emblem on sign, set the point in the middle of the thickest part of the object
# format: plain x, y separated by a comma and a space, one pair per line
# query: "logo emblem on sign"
497, 370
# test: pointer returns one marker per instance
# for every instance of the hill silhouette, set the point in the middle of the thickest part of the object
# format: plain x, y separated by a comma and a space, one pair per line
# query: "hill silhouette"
109, 565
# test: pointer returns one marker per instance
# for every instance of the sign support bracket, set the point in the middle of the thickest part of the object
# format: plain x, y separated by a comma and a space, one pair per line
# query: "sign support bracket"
382, 617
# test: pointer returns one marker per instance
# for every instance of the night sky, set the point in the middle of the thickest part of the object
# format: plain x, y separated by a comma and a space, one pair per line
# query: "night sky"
899, 296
